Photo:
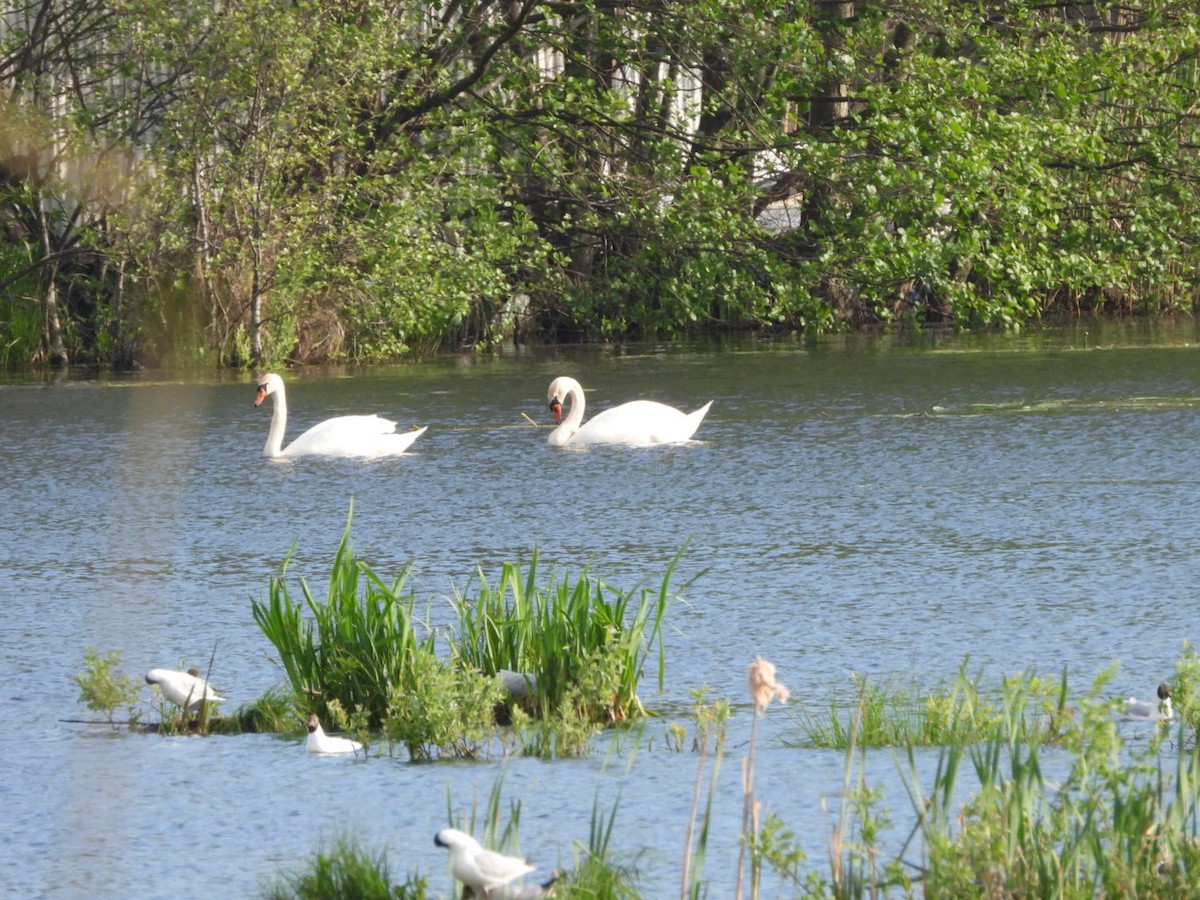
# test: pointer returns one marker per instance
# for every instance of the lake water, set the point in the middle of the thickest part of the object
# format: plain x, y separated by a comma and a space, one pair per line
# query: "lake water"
874, 505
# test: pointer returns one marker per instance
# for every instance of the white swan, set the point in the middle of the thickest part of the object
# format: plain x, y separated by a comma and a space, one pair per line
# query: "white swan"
184, 689
636, 422
339, 436
320, 742
475, 867
1148, 709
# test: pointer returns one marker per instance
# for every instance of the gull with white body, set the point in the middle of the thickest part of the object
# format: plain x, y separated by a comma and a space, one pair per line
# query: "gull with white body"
320, 742
185, 689
1148, 710
476, 867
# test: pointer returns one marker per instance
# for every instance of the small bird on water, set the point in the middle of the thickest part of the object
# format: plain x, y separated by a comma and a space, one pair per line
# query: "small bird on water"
320, 742
1147, 709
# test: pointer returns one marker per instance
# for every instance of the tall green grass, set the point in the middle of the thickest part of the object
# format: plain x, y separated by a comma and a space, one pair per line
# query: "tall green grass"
357, 660
586, 642
354, 646
1026, 707
345, 872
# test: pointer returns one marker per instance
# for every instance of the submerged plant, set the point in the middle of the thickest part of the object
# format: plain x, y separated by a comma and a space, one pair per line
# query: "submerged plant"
104, 691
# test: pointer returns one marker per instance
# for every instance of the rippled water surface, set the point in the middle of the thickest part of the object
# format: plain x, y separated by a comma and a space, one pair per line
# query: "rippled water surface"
864, 505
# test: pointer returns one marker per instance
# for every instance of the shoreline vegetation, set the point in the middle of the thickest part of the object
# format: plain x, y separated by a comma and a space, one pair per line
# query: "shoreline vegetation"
1059, 802
293, 182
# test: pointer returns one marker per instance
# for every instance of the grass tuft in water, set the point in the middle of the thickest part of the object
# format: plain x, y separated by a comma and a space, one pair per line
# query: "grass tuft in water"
585, 642
356, 659
273, 713
1028, 707
356, 646
346, 872
596, 874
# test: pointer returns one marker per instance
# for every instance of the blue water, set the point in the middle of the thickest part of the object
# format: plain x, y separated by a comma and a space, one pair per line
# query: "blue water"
874, 505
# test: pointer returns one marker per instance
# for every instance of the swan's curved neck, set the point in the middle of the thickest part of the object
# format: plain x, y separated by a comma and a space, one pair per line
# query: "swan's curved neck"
274, 445
565, 431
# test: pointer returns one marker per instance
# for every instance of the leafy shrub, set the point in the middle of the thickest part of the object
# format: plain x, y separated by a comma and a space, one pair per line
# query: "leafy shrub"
102, 690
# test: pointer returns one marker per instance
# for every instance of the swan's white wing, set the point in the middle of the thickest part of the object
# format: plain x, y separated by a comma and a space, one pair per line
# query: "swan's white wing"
640, 422
352, 436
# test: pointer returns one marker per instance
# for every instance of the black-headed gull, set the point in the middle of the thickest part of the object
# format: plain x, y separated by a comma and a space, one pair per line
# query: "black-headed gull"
476, 867
319, 742
184, 689
1148, 709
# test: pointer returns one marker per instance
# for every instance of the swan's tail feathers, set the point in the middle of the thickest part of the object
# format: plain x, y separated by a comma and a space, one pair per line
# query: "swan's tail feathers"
400, 442
693, 420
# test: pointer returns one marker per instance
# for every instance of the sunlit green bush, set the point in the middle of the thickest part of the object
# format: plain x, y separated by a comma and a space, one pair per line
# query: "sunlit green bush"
103, 690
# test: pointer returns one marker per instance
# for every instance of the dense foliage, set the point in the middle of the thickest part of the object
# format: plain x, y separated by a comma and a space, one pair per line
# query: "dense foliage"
249, 180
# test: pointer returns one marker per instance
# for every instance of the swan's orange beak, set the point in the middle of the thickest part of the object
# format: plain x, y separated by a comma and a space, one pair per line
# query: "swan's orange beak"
261, 395
556, 408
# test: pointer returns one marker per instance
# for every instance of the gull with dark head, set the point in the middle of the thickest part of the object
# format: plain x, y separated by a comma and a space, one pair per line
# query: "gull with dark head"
185, 689
476, 867
320, 742
1148, 709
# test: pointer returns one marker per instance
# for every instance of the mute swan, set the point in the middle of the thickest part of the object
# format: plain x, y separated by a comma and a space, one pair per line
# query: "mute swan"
339, 436
184, 689
319, 742
1148, 709
479, 869
636, 422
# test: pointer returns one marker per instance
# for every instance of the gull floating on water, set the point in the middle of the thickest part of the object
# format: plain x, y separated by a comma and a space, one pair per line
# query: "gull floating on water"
319, 742
476, 867
1148, 709
184, 689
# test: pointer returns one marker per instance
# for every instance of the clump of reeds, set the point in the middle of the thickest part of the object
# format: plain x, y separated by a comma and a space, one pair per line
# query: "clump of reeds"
346, 871
1120, 820
354, 646
583, 643
596, 875
357, 659
1026, 707
711, 721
